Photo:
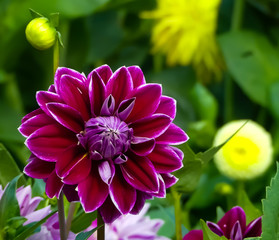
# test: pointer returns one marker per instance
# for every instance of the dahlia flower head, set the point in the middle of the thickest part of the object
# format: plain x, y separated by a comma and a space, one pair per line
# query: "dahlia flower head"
27, 207
232, 225
185, 31
132, 227
248, 154
104, 140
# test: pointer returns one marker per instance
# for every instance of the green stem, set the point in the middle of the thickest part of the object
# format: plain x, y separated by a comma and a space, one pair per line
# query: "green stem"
101, 230
55, 56
71, 212
61, 216
177, 212
236, 23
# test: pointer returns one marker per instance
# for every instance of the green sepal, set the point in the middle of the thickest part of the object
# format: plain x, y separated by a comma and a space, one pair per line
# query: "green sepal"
35, 14
208, 234
54, 19
59, 37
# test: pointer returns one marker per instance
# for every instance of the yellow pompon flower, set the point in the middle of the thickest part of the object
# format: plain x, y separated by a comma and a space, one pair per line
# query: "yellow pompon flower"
185, 33
247, 154
40, 34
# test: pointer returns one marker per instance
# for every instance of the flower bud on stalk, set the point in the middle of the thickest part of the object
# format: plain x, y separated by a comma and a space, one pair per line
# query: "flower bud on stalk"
40, 34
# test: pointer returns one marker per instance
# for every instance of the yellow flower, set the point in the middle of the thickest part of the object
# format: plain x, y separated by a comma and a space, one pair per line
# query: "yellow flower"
185, 33
247, 154
40, 34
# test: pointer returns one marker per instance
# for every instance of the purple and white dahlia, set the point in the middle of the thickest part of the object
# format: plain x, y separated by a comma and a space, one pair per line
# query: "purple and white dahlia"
104, 139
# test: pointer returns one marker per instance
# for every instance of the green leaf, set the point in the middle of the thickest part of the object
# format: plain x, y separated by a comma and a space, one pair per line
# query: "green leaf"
253, 238
86, 235
8, 167
270, 220
208, 234
220, 213
82, 220
252, 61
274, 99
250, 210
29, 229
8, 204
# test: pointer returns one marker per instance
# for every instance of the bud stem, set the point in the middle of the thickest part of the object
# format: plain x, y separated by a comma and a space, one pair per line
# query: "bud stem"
101, 230
55, 56
61, 216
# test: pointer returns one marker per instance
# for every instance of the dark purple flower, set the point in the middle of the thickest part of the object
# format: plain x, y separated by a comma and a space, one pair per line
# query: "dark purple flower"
104, 140
232, 225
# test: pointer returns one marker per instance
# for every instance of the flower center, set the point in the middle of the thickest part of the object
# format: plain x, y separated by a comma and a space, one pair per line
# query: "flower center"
106, 137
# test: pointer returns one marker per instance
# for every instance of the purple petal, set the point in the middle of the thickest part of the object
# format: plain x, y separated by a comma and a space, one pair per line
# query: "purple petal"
108, 106
140, 201
92, 191
122, 194
142, 146
140, 173
173, 135
164, 159
137, 76
215, 228
147, 100
62, 71
119, 85
125, 108
227, 222
151, 127
66, 116
169, 179
34, 123
43, 98
47, 142
106, 171
108, 211
236, 233
104, 72
53, 185
167, 106
96, 92
71, 193
254, 228
38, 168
73, 165
162, 188
32, 114
194, 235
74, 94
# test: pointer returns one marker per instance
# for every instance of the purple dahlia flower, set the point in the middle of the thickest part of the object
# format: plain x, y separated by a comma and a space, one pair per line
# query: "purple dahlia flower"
104, 140
232, 225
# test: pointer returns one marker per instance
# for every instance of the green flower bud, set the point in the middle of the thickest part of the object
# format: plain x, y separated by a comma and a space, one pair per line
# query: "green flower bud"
40, 34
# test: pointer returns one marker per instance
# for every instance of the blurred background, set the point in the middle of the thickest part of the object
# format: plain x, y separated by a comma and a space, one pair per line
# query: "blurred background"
237, 79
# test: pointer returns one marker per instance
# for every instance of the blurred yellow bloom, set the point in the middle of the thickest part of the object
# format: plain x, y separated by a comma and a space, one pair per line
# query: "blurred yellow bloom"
247, 154
185, 33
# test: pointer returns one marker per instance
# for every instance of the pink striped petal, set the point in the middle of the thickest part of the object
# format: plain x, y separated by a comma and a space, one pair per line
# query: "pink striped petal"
37, 168
162, 188
105, 72
122, 194
66, 116
142, 146
137, 76
74, 94
106, 170
96, 92
147, 100
53, 185
125, 108
169, 179
165, 159
151, 127
92, 191
49, 141
173, 135
254, 228
167, 106
73, 165
108, 211
119, 85
140, 173
34, 123
141, 197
